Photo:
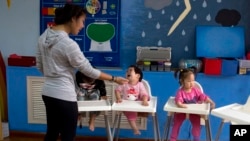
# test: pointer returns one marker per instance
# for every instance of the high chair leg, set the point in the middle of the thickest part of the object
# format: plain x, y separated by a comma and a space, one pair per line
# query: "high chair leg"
208, 132
115, 125
219, 131
167, 128
156, 128
110, 137
118, 126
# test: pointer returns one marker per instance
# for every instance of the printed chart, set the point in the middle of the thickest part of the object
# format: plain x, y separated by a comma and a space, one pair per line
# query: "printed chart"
99, 40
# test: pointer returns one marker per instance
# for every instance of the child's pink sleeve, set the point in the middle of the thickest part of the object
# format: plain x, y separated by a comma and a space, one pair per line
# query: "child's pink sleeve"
143, 92
201, 96
179, 97
118, 88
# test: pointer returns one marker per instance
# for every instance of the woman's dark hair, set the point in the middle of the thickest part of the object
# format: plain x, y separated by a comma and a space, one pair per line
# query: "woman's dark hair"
66, 13
184, 73
137, 71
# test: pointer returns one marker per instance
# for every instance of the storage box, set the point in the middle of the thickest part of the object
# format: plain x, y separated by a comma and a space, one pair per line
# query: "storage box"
244, 63
154, 66
153, 53
167, 66
140, 64
212, 66
146, 65
229, 67
160, 66
153, 57
244, 71
25, 61
244, 66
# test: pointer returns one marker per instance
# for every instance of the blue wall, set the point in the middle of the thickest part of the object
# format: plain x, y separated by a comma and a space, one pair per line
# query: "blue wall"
134, 20
223, 90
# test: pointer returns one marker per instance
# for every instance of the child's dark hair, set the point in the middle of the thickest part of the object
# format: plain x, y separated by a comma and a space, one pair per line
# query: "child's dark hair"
66, 13
184, 73
137, 71
80, 77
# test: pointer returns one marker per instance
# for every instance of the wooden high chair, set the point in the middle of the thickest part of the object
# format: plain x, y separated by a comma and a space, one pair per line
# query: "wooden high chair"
135, 106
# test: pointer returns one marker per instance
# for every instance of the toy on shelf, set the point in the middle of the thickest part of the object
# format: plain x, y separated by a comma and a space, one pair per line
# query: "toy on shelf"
154, 58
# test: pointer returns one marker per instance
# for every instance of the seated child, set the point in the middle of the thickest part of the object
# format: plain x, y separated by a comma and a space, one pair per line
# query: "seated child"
185, 95
133, 90
90, 89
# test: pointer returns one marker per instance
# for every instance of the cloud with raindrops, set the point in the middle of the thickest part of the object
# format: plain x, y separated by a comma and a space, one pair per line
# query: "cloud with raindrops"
157, 4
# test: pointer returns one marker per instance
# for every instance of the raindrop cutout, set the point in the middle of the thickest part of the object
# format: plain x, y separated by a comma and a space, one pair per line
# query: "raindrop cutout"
143, 34
149, 15
177, 3
204, 4
186, 48
208, 18
219, 1
194, 16
158, 26
163, 12
172, 18
159, 43
183, 33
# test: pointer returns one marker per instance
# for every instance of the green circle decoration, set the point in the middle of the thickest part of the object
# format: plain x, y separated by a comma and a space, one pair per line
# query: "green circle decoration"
100, 32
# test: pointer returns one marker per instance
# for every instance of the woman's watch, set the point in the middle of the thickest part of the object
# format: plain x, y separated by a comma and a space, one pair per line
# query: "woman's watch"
112, 79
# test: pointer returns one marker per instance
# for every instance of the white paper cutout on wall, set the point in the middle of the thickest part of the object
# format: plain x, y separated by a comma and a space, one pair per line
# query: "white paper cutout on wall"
100, 34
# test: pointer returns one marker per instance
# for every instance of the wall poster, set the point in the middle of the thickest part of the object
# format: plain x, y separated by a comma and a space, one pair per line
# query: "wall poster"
99, 40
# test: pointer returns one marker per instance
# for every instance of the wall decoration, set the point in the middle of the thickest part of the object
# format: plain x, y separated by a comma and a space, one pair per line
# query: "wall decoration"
227, 17
151, 22
181, 17
99, 40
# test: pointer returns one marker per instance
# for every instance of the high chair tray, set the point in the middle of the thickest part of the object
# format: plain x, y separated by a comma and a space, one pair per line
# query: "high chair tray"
98, 105
135, 106
201, 109
232, 112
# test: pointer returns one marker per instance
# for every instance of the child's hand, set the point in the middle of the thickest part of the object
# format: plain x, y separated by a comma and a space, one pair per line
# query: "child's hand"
118, 100
104, 97
181, 105
145, 103
212, 105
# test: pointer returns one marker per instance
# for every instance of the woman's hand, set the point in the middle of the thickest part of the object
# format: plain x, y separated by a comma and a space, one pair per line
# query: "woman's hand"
120, 80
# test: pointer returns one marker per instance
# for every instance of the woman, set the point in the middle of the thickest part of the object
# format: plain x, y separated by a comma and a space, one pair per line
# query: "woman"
58, 57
